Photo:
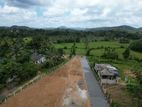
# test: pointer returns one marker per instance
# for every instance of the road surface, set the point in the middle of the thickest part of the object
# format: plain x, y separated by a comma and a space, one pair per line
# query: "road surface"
97, 98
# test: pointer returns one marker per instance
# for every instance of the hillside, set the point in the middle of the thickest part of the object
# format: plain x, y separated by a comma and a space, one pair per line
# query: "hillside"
73, 33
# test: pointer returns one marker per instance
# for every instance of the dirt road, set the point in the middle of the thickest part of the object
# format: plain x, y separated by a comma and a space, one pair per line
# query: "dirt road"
63, 88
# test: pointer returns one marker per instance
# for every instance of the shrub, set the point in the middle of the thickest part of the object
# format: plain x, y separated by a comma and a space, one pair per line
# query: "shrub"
136, 46
126, 53
110, 53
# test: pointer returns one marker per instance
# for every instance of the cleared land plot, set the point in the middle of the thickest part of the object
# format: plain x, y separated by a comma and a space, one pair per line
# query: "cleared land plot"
61, 88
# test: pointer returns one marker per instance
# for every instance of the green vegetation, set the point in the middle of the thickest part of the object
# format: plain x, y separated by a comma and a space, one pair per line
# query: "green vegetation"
17, 64
119, 47
126, 53
136, 45
115, 53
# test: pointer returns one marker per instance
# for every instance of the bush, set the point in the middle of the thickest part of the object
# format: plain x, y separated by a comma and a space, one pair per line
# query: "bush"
124, 40
122, 46
110, 53
126, 53
65, 47
135, 89
136, 46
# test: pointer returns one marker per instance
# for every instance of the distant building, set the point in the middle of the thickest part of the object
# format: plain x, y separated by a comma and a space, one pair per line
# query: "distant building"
107, 73
38, 58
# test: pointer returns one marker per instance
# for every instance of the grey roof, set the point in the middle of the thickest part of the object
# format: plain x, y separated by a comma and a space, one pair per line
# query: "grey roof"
36, 56
107, 69
106, 72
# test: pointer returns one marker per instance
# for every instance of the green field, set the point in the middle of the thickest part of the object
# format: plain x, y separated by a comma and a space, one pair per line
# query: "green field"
98, 48
95, 54
133, 64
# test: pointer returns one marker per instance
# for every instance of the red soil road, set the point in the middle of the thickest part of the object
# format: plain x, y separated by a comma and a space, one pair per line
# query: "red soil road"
50, 90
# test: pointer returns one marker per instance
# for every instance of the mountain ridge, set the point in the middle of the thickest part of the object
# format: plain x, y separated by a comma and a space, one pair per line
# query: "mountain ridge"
122, 27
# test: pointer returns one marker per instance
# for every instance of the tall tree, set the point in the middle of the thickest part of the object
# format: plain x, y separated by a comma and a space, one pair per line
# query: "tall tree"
126, 53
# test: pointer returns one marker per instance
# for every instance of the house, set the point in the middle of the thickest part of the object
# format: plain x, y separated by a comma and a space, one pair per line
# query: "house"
107, 73
38, 58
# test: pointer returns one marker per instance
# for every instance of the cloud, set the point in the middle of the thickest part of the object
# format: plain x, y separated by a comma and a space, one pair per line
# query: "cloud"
27, 3
12, 15
74, 13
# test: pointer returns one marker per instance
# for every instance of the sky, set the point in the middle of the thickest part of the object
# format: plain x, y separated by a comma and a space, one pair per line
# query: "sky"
71, 13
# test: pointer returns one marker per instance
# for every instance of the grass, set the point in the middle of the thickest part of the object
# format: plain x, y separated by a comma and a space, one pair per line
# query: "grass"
95, 54
123, 98
98, 48
93, 44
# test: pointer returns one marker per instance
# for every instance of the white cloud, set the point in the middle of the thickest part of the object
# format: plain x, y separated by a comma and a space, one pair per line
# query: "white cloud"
12, 15
89, 13
8, 10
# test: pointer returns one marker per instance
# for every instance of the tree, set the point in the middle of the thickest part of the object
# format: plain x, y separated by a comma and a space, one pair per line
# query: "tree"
86, 42
110, 53
73, 50
60, 52
136, 45
126, 53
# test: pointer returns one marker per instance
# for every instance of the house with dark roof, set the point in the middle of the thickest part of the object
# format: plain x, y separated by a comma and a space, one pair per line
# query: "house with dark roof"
107, 73
38, 58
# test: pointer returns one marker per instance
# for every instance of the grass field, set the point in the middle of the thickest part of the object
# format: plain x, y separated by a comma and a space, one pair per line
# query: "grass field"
122, 65
98, 50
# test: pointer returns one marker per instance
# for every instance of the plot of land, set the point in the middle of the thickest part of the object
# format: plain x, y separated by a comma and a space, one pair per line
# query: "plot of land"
63, 88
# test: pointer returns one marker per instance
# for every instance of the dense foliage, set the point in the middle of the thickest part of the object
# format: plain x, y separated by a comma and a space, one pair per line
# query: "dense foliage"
110, 53
136, 45
16, 63
126, 53
61, 35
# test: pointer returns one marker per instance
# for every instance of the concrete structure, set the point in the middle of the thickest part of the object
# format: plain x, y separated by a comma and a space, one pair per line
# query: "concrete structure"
107, 73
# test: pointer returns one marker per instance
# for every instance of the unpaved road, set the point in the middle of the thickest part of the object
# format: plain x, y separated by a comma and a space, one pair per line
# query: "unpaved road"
96, 96
63, 88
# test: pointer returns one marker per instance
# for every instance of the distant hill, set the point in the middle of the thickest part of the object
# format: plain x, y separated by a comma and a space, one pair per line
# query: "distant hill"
114, 32
15, 27
123, 27
19, 27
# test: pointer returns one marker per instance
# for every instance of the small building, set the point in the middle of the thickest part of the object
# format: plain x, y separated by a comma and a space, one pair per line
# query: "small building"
38, 58
107, 73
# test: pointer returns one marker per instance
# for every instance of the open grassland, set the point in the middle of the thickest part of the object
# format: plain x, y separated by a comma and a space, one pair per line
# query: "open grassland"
98, 49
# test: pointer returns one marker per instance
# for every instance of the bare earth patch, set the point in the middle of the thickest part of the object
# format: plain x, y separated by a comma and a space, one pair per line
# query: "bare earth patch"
129, 73
63, 88
119, 95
